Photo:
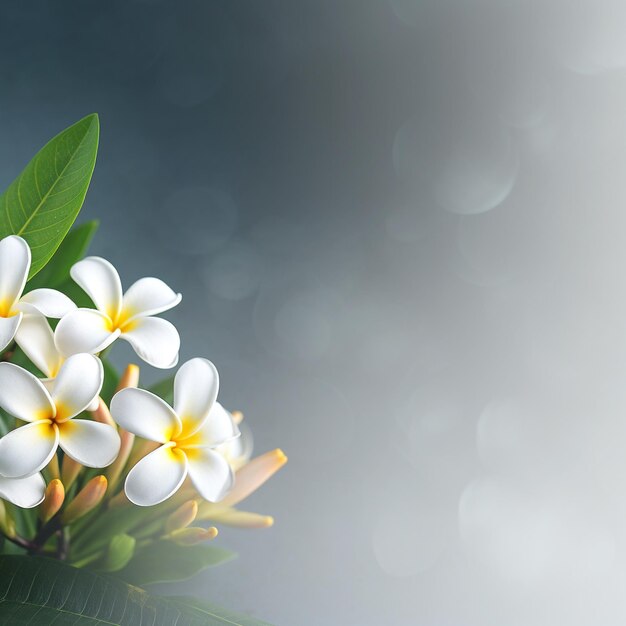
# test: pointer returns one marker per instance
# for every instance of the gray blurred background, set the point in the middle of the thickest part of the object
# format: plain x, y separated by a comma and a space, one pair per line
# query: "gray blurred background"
400, 232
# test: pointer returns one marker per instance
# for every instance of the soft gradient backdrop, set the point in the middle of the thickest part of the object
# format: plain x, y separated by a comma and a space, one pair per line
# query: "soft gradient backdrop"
400, 232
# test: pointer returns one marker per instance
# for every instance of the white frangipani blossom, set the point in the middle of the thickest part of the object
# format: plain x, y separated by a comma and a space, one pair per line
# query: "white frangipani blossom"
188, 434
238, 451
25, 492
29, 448
126, 315
15, 261
36, 338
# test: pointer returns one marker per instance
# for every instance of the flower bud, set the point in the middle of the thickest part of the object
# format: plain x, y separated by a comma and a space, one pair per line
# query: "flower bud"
182, 516
192, 536
241, 519
252, 475
52, 470
130, 377
54, 498
87, 499
114, 471
102, 414
141, 449
7, 523
120, 551
70, 469
119, 499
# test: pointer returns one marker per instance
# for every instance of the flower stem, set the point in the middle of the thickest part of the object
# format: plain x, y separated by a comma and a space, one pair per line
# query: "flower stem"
45, 532
21, 542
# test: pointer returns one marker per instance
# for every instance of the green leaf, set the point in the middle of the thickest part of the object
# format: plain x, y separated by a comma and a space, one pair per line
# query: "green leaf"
71, 250
165, 561
39, 592
42, 203
215, 612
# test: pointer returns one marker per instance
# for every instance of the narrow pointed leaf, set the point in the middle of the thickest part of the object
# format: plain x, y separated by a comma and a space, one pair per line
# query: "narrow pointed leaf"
71, 250
211, 611
42, 203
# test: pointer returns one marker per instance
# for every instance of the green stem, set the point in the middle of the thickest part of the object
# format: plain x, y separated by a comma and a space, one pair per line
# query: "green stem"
20, 541
45, 532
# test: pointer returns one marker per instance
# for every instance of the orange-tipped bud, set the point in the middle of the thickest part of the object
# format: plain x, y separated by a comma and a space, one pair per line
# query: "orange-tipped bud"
87, 499
114, 471
102, 414
7, 523
70, 469
241, 519
130, 377
119, 499
182, 516
141, 449
53, 470
192, 536
55, 496
237, 417
252, 475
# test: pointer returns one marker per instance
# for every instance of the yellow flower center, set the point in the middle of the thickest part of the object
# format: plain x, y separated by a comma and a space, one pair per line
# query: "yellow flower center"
6, 308
184, 444
176, 453
122, 321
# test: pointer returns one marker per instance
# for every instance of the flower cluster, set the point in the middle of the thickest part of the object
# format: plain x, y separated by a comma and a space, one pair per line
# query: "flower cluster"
191, 445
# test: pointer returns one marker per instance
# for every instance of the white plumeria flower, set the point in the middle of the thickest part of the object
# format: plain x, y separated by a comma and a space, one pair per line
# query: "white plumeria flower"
126, 315
29, 448
23, 492
15, 261
188, 433
36, 339
238, 451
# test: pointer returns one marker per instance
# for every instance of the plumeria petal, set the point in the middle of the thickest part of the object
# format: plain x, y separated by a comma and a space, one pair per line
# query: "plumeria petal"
157, 476
216, 430
155, 340
23, 492
28, 449
78, 382
195, 389
84, 330
210, 474
48, 302
238, 451
89, 443
100, 280
23, 395
149, 296
141, 412
14, 268
36, 339
8, 328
